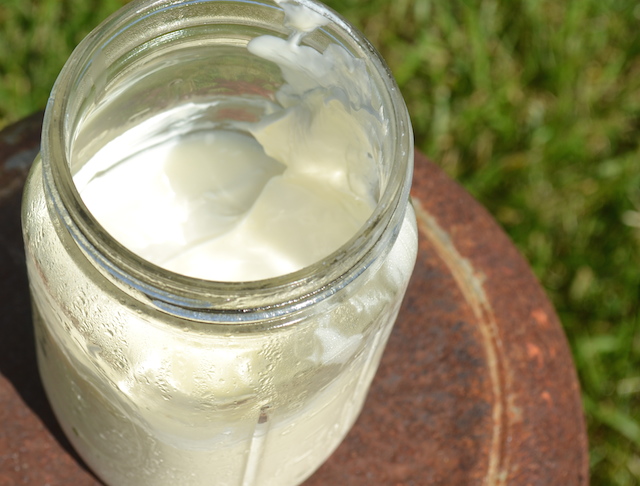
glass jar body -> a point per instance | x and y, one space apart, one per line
156 384
145 401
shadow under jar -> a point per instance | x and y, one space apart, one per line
218 240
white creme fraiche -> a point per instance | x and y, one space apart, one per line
260 201
240 202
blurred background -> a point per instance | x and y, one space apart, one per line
533 106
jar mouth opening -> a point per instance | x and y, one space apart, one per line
188 296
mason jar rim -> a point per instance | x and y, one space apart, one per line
208 300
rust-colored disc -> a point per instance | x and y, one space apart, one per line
476 387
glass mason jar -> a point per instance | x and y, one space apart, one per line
161 378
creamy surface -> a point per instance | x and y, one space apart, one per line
258 200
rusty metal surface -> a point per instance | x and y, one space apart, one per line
476 387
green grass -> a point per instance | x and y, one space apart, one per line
534 106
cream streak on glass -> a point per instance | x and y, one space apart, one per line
148 403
